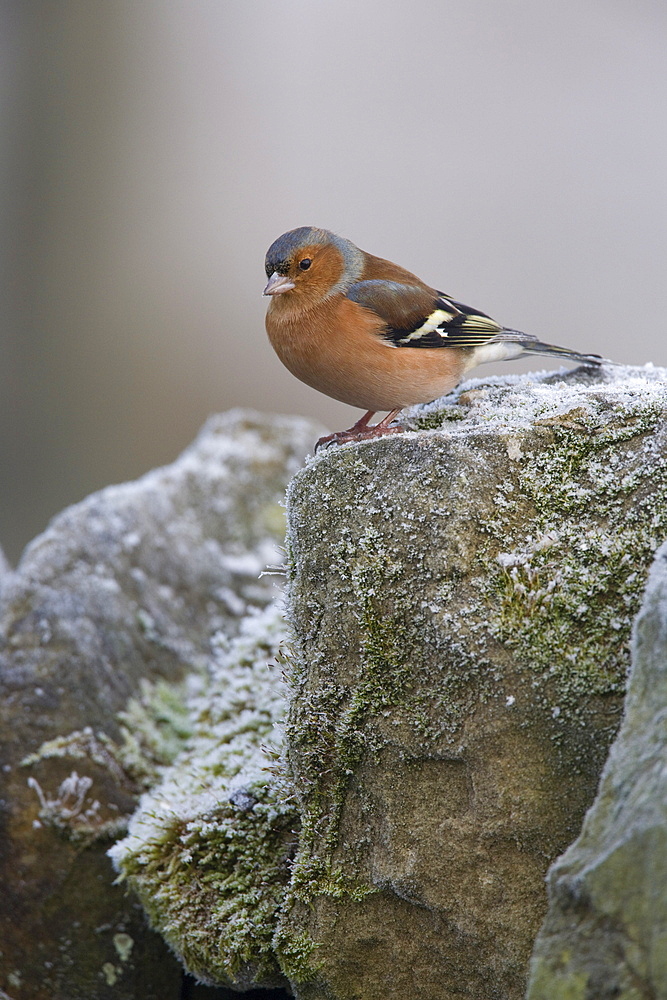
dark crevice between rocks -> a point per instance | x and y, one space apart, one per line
192 990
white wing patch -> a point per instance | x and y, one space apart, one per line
432 324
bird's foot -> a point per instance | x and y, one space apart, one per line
362 432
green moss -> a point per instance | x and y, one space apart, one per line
567 595
318 876
328 725
214 885
447 413
563 984
209 850
81 744
556 579
297 956
155 727
386 648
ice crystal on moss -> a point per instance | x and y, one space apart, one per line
208 849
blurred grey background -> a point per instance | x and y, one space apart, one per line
512 153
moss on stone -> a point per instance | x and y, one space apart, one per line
209 849
297 955
427 572
436 580
565 984
155 727
569 593
226 875
328 726
435 420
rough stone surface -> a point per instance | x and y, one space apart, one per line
110 609
605 934
462 600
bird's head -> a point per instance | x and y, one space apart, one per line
310 264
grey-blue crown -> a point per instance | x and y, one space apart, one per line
283 250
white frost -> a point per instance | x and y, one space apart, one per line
237 719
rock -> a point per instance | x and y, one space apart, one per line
209 849
461 600
109 611
605 931
460 605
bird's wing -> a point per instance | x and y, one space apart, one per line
420 317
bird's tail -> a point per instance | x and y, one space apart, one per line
531 345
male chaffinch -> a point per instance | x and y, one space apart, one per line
368 332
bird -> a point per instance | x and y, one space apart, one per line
369 333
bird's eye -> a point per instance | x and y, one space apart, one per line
305 263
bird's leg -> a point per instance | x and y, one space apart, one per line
383 426
361 431
361 424
337 438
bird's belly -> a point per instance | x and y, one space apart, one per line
377 377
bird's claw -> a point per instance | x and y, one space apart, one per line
364 434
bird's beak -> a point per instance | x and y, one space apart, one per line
277 284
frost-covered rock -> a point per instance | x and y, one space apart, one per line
605 932
462 600
208 850
122 599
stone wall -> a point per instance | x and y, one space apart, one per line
357 791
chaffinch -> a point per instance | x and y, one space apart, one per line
371 334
